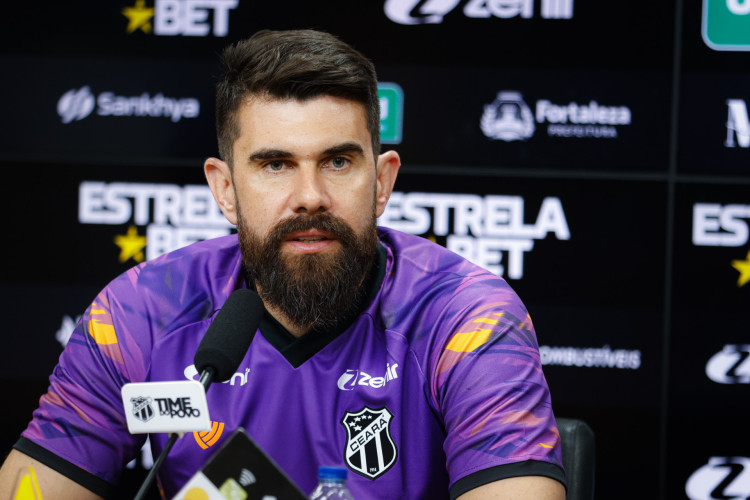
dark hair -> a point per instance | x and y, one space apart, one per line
300 64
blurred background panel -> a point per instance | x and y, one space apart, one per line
594 154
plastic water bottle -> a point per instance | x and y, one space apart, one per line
331 484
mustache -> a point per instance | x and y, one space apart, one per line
323 222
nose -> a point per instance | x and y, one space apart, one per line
309 192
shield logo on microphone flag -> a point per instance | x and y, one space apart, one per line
370 450
142 408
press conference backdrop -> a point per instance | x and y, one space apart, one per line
595 154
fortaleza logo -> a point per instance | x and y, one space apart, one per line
77 104
720 478
591 357
180 17
738 123
433 11
508 118
173 216
716 225
483 230
731 365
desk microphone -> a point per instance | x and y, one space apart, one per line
219 354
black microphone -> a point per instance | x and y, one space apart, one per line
220 353
228 337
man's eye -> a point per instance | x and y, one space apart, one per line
275 165
339 162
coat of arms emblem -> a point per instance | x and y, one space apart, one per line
370 450
142 408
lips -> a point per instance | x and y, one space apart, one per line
310 236
310 241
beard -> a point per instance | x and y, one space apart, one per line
313 291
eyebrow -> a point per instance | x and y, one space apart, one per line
275 154
269 154
347 147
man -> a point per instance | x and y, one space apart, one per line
379 351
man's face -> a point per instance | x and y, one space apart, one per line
306 192
302 158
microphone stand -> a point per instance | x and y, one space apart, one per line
205 379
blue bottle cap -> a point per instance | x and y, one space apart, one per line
331 472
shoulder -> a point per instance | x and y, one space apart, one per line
179 287
428 286
416 266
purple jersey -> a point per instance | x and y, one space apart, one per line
437 379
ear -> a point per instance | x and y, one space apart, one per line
219 178
387 168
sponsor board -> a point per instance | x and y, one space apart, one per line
173 216
591 357
726 24
195 18
731 365
721 477
77 104
410 12
391 98
717 225
510 118
738 123
489 231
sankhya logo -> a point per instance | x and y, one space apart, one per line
433 11
77 104
721 478
731 365
508 118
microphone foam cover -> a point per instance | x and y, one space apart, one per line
228 337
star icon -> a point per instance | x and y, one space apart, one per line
743 266
139 17
131 245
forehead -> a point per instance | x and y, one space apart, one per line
305 125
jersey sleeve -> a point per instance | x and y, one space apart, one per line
488 385
80 421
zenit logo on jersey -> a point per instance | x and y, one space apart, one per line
370 450
350 379
180 17
722 477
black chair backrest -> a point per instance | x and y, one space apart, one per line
578 457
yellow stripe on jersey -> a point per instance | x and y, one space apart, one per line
468 341
102 333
